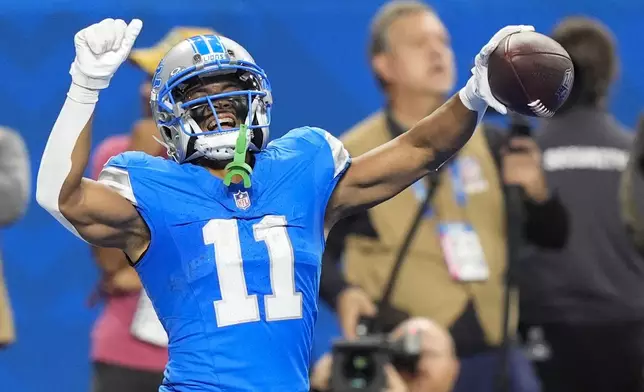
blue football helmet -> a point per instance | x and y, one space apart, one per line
208 57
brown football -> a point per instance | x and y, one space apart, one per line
530 74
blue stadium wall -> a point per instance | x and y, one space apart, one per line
313 51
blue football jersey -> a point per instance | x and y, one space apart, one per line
233 274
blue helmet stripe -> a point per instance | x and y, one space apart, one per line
200 45
207 41
215 44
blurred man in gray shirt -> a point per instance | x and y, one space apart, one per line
586 302
15 185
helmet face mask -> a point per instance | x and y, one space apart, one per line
202 107
200 100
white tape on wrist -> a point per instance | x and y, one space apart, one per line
56 162
85 81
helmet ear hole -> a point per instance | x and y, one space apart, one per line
166 132
258 138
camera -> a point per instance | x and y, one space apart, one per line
359 365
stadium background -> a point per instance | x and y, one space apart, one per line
314 52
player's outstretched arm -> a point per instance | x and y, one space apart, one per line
385 171
88 209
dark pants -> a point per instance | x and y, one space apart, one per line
606 358
113 378
479 372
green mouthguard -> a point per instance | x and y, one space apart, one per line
239 167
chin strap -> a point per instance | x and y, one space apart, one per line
239 167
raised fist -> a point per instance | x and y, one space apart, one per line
100 49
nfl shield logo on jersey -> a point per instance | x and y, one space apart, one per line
242 200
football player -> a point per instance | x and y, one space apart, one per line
227 236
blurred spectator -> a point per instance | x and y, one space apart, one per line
583 306
632 191
129 345
461 287
437 366
15 177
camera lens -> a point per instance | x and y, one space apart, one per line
359 370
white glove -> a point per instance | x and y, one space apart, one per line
476 95
100 49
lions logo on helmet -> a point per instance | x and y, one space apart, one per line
189 62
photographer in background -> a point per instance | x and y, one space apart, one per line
632 190
463 290
436 369
585 303
15 186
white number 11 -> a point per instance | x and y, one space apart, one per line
235 305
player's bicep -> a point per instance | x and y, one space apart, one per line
378 175
103 216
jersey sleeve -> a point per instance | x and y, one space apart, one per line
330 159
116 176
129 175
329 156
136 177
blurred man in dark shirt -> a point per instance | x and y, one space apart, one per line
587 301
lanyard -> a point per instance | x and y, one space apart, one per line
420 187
